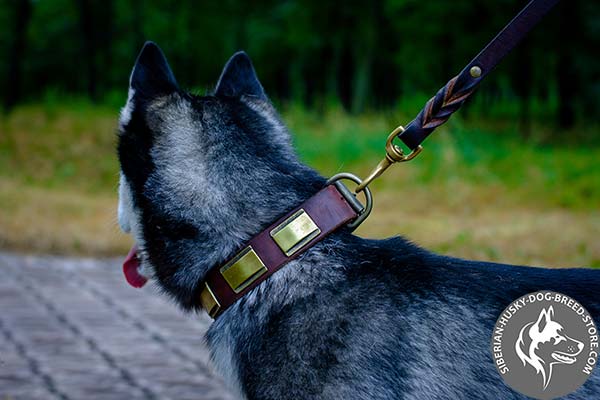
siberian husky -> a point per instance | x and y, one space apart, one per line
351 318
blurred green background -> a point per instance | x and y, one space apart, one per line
513 177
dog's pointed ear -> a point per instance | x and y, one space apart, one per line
239 78
151 75
543 319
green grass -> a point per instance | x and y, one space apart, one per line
478 190
72 146
535 170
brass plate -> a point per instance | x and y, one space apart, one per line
243 269
209 301
295 232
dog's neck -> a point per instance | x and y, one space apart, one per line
225 230
324 213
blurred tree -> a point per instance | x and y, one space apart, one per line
89 45
522 82
22 16
365 31
567 47
360 54
96 26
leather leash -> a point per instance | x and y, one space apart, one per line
335 206
458 89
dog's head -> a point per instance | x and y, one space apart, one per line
200 175
544 343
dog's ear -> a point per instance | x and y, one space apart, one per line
239 78
544 318
151 75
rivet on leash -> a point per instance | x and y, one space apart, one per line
475 71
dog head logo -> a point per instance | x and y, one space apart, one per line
544 343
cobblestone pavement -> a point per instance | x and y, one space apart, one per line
74 329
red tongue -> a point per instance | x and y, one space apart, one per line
130 269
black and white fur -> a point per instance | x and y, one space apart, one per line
352 318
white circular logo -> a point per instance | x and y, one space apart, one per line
545 345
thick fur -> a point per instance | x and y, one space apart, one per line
351 318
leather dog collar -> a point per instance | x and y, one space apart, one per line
277 245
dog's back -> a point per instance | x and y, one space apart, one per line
385 320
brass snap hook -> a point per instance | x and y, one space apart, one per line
393 155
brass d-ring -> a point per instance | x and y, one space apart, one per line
366 209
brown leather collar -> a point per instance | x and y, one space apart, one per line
277 245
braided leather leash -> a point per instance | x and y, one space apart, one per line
452 96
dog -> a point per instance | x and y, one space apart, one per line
351 318
542 344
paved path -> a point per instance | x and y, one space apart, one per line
74 329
